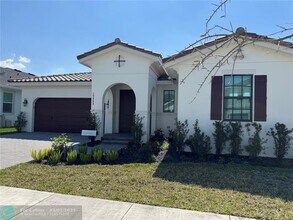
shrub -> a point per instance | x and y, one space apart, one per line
20 122
199 143
131 149
129 153
281 135
220 136
111 156
137 130
97 154
82 149
94 123
255 142
55 157
170 136
157 140
145 153
38 156
85 158
165 145
71 156
158 136
47 152
178 137
61 144
235 133
221 160
132 153
155 147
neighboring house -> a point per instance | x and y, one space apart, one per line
10 97
126 79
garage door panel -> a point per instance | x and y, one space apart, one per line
62 114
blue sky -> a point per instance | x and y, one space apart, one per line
44 37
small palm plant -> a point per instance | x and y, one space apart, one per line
97 154
111 156
71 157
55 157
38 156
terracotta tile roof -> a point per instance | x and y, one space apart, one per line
70 77
118 42
220 40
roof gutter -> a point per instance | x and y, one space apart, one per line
38 84
9 87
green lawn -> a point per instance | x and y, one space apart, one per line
236 189
7 130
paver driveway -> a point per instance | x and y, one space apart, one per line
16 148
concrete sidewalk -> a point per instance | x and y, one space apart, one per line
25 201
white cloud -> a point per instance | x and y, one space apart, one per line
9 63
20 64
24 59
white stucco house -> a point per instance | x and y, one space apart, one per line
10 96
126 79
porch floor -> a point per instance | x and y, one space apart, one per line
116 141
118 136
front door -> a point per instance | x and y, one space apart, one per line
127 110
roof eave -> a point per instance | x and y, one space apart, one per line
8 86
85 59
57 83
169 61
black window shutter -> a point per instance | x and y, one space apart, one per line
260 98
216 98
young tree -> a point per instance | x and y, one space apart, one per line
226 37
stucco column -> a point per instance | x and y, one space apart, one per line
100 114
145 128
142 108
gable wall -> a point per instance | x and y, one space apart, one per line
277 66
135 73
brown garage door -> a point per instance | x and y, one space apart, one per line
61 114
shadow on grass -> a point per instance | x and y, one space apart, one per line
264 181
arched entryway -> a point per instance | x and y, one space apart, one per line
119 108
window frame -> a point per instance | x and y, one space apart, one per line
164 100
250 98
3 102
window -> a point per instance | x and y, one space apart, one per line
168 100
7 102
237 97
